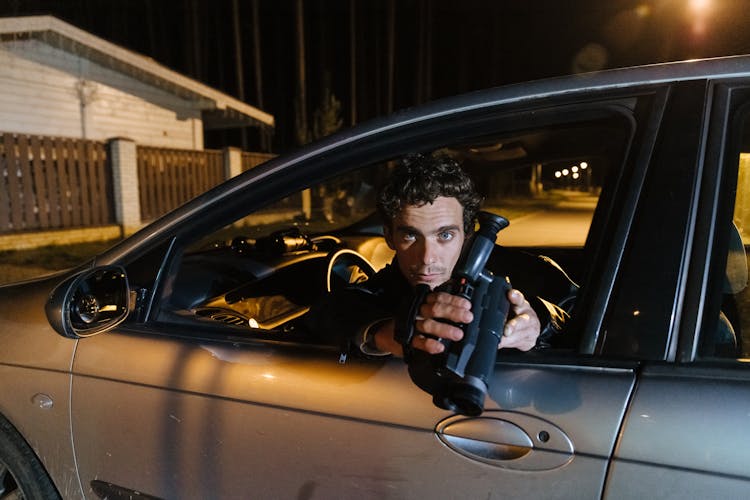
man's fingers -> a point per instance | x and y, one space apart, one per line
446 306
427 344
518 301
448 298
441 311
439 329
520 332
519 322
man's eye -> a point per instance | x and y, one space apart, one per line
445 236
410 236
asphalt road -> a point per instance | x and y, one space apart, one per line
563 225
566 224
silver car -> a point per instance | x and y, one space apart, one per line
180 363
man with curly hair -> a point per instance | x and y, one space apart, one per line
428 207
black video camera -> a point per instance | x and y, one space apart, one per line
459 377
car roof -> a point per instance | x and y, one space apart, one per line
723 67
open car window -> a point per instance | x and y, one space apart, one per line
268 268
258 276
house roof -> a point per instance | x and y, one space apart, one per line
219 109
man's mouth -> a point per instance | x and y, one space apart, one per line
430 278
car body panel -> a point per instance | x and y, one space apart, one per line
41 347
35 364
249 411
37 402
684 434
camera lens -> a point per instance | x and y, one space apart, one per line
465 398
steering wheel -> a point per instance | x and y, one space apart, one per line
347 267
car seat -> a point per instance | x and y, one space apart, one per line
727 341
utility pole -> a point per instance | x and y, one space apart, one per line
238 63
390 54
353 62
264 138
301 126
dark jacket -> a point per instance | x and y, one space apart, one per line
345 314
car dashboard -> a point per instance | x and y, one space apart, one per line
268 284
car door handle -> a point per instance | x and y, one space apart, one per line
507 439
489 438
488 450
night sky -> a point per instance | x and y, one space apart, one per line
440 47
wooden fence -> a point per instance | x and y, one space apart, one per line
170 177
252 160
53 183
49 183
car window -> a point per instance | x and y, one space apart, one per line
259 276
726 333
266 269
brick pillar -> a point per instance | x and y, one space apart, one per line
124 163
232 162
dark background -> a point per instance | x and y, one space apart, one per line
435 48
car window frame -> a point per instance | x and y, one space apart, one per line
650 332
730 105
431 134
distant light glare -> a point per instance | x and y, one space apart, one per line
700 10
574 169
584 165
699 6
643 10
699 28
576 175
565 171
558 174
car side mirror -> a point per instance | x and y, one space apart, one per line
90 302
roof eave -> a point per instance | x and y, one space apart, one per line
67 37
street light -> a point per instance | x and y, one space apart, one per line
587 171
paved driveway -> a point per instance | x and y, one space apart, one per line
565 224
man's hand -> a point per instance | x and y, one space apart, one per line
437 308
437 305
522 331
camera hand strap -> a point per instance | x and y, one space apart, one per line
407 315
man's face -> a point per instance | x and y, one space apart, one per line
428 240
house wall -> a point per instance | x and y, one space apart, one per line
48 91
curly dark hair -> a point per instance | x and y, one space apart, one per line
420 179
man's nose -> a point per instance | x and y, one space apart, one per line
429 252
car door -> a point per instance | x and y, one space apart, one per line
203 421
687 429
176 408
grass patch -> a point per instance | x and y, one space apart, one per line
54 257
